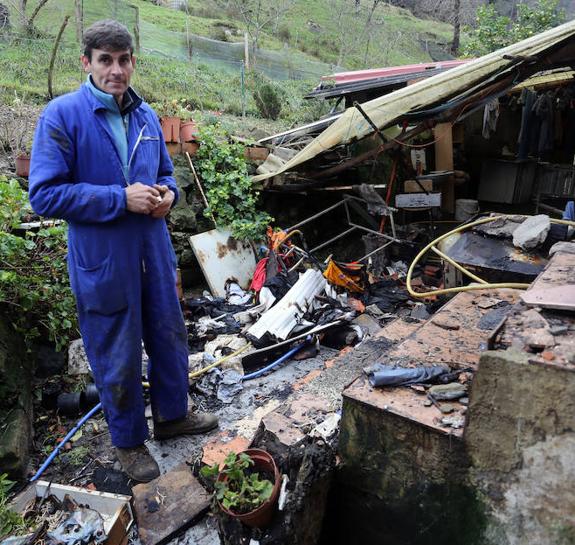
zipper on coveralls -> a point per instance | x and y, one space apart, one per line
138 141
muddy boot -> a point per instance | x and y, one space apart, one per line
195 422
138 463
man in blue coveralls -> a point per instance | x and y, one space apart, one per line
99 162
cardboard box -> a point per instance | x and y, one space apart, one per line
114 508
417 200
411 186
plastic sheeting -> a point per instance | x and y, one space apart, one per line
388 109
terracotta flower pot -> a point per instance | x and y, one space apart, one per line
188 131
261 516
256 153
171 128
23 165
190 147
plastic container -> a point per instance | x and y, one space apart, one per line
466 209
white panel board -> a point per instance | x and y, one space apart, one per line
417 200
222 258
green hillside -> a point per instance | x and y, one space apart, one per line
307 41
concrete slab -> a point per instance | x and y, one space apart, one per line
402 401
434 344
555 287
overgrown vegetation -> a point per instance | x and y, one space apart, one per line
35 293
268 100
494 31
10 522
229 189
241 490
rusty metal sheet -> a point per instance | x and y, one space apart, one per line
222 258
437 342
555 286
168 505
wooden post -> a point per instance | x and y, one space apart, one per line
79 20
137 29
246 51
444 161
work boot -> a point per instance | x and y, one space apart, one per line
138 464
193 423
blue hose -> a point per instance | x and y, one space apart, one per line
69 436
280 360
95 409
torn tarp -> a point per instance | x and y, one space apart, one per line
393 375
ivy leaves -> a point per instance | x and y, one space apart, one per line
34 290
229 189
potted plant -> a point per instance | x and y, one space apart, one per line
22 159
169 112
188 128
246 487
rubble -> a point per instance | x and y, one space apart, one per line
532 232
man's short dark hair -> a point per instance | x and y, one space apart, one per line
108 35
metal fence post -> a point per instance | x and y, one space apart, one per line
243 72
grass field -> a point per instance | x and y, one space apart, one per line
309 35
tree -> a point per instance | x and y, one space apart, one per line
258 15
494 31
454 12
27 20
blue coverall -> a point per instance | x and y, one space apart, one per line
121 264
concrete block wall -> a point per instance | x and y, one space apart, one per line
401 482
520 438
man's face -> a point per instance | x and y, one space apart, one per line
111 70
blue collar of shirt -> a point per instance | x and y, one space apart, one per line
106 99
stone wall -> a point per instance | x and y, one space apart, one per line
401 482
15 403
520 437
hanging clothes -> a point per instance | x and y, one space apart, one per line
490 117
528 121
543 110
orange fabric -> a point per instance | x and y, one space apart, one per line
351 278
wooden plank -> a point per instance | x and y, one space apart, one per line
168 505
555 286
444 161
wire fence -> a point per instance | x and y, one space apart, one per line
153 39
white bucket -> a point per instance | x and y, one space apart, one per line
465 209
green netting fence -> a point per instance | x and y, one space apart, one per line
153 39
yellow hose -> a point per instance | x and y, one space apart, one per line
200 372
482 285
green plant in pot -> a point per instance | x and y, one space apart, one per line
246 487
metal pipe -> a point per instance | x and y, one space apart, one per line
341 235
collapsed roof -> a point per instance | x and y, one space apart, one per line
448 95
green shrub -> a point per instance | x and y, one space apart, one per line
10 522
35 293
268 100
232 198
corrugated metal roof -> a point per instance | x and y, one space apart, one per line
469 78
280 320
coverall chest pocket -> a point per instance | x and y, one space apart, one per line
100 290
146 160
